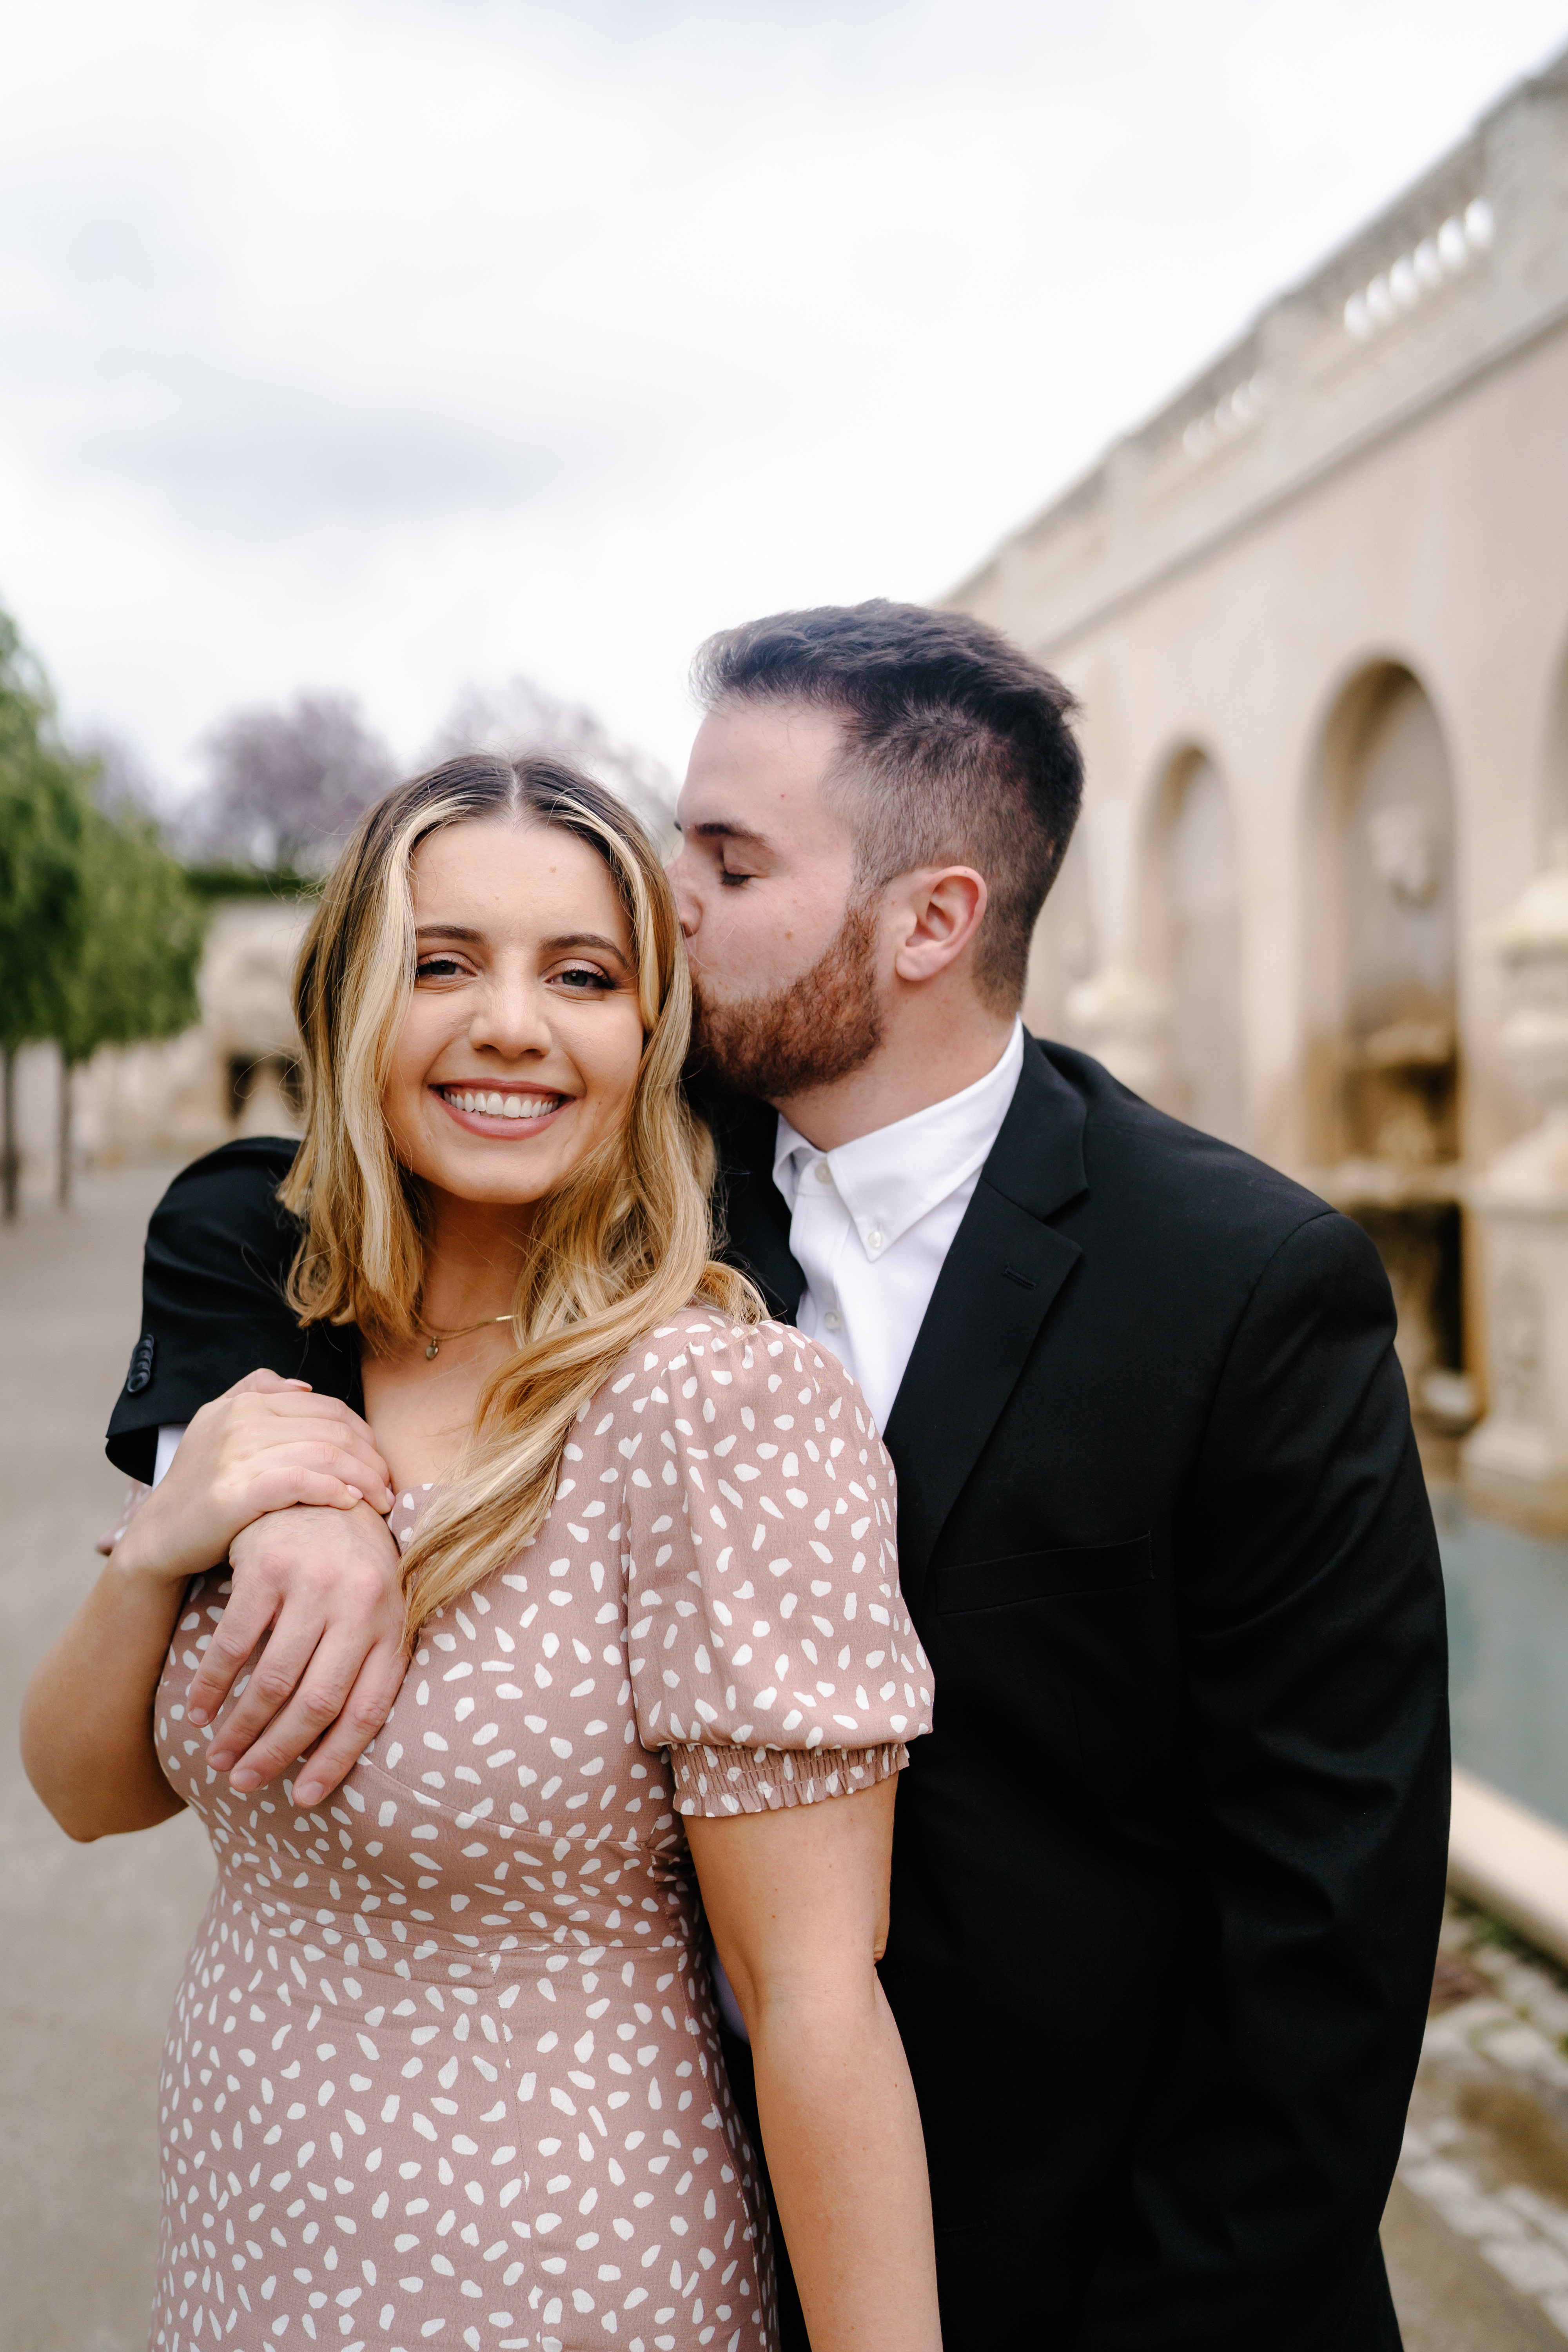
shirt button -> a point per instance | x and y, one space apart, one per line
875 1237
833 1320
824 1173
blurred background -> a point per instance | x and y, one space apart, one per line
380 380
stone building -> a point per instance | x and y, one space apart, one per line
237 1072
1317 613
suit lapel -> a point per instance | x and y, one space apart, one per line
755 1219
1000 1280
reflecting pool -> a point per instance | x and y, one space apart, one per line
1507 1633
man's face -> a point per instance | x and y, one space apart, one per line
783 947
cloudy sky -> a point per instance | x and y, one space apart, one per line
397 345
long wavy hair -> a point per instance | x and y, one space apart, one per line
626 1240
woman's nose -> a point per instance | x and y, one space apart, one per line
512 1018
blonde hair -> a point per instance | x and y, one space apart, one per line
625 1243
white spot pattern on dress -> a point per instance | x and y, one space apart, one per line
444 2067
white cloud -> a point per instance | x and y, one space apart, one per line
384 346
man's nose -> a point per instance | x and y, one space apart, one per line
686 903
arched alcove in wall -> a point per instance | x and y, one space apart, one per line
1379 930
1191 943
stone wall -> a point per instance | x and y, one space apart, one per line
1317 614
235 1073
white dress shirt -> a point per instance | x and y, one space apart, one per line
169 1435
872 1221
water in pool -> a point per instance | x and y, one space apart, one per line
1508 1636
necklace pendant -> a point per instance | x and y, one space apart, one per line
433 1350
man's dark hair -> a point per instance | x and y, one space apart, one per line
958 750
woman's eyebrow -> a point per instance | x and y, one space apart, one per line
556 946
583 940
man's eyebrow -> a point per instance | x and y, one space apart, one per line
726 829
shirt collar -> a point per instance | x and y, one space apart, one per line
891 1178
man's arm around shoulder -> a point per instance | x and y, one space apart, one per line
213 1303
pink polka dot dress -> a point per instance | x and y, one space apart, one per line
444 2067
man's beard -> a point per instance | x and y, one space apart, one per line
806 1033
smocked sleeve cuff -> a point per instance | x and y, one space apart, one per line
713 1781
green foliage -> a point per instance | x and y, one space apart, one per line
101 933
43 811
215 882
134 974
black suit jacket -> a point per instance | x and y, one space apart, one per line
1169 1870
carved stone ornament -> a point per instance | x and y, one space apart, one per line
1405 856
1124 1020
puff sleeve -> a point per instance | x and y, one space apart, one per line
771 1655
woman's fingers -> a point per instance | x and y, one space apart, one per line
276 1476
250 1413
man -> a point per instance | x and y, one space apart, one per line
1168 1873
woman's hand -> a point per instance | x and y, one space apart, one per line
797 1901
265 1444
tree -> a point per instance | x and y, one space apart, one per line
42 898
134 975
285 785
521 717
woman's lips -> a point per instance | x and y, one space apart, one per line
501 1111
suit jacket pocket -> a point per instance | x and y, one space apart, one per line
1042 1576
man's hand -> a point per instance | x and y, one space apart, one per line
322 1589
265 1442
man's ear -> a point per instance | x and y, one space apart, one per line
936 913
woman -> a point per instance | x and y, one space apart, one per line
444 2066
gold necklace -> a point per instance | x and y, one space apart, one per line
467 1330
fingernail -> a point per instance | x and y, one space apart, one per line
220 1759
198 1715
358 1493
245 1780
305 1792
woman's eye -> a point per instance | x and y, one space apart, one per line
437 967
583 978
733 881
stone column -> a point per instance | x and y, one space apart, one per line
1124 1020
1515 1465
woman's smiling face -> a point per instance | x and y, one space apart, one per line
520 1048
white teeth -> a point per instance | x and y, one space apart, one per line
499 1105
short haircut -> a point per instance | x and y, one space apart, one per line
959 751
